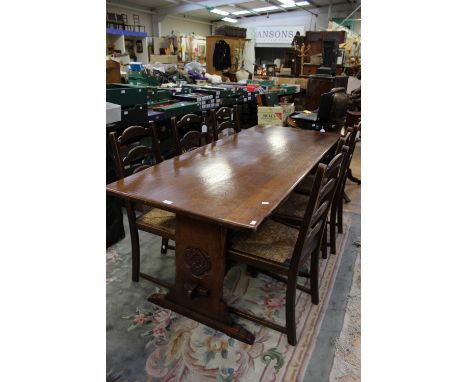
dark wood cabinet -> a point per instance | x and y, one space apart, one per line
317 85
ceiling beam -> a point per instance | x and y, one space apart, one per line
200 5
131 8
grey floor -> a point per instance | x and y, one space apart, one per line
321 361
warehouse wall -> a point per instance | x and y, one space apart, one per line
145 18
183 26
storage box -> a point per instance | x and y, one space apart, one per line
288 109
125 95
284 81
134 115
302 82
112 113
140 78
174 109
270 115
163 59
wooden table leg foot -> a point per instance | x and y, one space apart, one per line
232 330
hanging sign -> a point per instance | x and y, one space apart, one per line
277 35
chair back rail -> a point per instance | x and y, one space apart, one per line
350 142
149 154
321 196
225 118
191 139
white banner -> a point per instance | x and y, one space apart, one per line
277 35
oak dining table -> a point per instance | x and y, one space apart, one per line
234 183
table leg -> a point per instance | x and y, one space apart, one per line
200 268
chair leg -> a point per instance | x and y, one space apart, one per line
135 239
324 242
164 245
353 178
314 276
291 309
333 234
346 198
340 215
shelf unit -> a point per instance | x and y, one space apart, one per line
121 38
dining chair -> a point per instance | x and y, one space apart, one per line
191 139
305 185
281 249
224 119
296 203
352 145
132 155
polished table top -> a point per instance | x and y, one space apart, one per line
237 181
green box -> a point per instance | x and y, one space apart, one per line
125 95
174 109
139 78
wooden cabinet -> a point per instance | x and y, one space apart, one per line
309 69
237 46
317 85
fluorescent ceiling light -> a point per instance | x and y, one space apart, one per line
219 12
288 5
302 3
228 19
244 12
263 9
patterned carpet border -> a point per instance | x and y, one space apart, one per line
154 344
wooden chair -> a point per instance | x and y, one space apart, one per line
280 248
295 205
154 220
223 119
352 145
192 139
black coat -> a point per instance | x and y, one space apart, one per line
222 55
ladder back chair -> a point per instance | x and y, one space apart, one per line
281 249
223 119
192 139
295 205
154 220
352 136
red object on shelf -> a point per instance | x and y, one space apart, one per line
252 87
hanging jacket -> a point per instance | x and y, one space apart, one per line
222 55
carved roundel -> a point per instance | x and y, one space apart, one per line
197 261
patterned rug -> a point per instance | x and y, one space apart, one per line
151 344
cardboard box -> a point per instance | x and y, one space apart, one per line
268 115
288 109
302 82
163 59
285 80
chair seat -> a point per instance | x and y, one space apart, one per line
161 219
306 184
295 205
272 241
